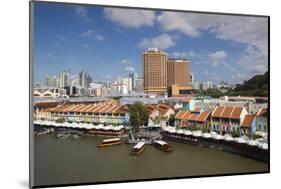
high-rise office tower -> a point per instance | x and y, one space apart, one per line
154 66
64 79
85 79
178 72
133 76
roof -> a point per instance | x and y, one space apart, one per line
189 116
161 142
139 145
162 108
91 108
111 140
248 120
227 112
47 104
262 112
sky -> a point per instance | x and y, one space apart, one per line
108 42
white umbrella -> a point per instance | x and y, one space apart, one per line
227 137
197 133
240 140
253 143
206 135
187 132
180 131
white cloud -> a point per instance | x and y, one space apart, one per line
248 30
93 35
218 55
130 18
253 60
186 54
126 61
130 69
162 41
187 23
82 12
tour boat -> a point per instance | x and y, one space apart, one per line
110 142
138 149
162 145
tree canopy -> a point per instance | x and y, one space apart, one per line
138 115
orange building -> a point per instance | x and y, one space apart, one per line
154 69
178 72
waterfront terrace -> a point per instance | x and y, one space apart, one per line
107 113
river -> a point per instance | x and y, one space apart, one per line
70 161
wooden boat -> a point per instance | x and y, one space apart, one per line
110 142
138 149
162 145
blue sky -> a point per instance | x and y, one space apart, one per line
108 42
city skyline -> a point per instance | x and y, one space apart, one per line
85 38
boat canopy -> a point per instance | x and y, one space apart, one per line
111 140
139 145
161 142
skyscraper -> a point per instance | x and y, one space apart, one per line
133 76
178 72
64 80
154 71
85 79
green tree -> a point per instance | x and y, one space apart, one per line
172 120
138 115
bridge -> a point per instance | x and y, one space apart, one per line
46 92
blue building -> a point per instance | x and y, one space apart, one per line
248 125
262 120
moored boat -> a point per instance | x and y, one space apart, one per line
162 145
110 142
138 149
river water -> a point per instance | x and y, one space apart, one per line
69 161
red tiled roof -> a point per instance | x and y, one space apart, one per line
262 112
180 114
248 120
203 116
217 112
236 113
93 108
186 115
227 112
189 116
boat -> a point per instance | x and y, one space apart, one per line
162 145
138 149
180 136
110 142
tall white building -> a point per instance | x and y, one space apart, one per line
64 80
84 79
133 77
207 85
